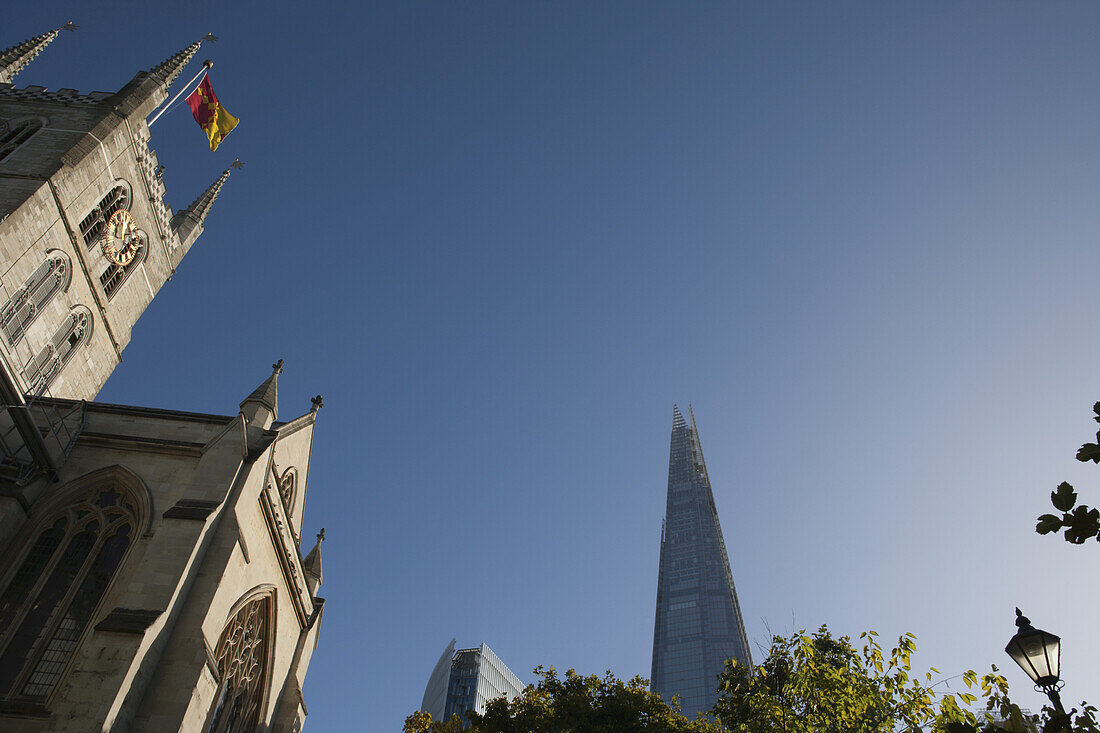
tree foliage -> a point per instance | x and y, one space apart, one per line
821 684
421 722
1080 522
807 684
574 704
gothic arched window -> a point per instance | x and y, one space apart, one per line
56 587
94 224
242 662
73 333
115 275
49 279
18 134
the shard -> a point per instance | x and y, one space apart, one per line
698 624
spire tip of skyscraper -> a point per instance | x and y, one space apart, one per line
677 418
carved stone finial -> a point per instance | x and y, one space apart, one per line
209 38
278 367
318 403
321 536
236 164
70 26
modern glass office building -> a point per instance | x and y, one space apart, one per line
698 624
467 680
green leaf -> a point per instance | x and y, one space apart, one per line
1082 524
1089 452
1064 497
1048 523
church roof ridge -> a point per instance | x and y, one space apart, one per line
290 427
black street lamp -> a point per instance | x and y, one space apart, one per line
1039 654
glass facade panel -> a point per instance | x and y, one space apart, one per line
471 678
698 623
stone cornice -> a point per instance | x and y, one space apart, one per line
140 442
111 408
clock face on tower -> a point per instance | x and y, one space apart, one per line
122 241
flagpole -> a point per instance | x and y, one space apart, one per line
205 69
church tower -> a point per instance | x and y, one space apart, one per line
86 238
698 624
152 575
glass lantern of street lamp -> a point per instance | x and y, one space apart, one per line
1037 652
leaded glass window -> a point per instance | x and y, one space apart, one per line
242 664
17 135
93 226
30 571
48 279
51 597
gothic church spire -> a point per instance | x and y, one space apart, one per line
149 88
200 207
188 224
167 71
14 59
261 408
312 565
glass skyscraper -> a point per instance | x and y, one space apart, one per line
467 680
698 624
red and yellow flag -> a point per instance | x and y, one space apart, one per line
212 117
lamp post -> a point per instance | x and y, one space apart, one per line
1039 654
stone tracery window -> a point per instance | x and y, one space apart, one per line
94 225
242 663
56 588
16 135
49 279
287 487
73 333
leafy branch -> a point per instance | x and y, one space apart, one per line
1080 522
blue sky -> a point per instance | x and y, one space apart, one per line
502 239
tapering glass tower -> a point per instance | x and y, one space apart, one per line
698 624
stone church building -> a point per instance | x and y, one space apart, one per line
151 570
